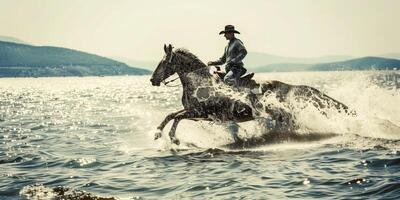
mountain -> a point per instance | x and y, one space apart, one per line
365 63
11 39
256 60
18 60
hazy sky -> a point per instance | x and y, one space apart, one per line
137 29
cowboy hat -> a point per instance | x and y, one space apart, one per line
229 29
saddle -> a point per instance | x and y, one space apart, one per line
244 81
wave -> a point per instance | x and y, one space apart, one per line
374 101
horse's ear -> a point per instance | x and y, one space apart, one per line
165 48
170 48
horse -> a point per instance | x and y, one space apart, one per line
202 100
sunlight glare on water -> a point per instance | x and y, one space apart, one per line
97 134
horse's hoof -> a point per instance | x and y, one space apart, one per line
175 140
158 134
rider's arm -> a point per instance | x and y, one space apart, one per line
242 52
220 61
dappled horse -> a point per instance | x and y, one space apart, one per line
203 101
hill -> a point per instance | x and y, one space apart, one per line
365 63
255 60
20 60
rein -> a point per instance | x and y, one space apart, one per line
170 81
167 82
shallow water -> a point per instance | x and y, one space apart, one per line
96 134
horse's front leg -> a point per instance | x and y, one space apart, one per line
173 131
169 117
178 118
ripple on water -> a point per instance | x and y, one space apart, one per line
82 163
11 160
66 131
385 191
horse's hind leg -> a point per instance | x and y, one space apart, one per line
169 117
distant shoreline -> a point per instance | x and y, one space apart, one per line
383 70
4 77
142 75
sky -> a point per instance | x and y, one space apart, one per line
138 29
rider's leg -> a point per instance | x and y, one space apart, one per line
232 77
240 72
229 78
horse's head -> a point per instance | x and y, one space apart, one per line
165 68
180 61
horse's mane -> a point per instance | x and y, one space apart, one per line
190 55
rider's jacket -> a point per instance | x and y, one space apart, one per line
233 55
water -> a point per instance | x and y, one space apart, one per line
96 134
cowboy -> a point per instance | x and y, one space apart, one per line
232 57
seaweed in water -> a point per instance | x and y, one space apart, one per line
59 192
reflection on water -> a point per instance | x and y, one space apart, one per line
94 134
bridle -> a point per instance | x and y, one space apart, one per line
173 65
167 82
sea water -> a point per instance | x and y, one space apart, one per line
95 134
